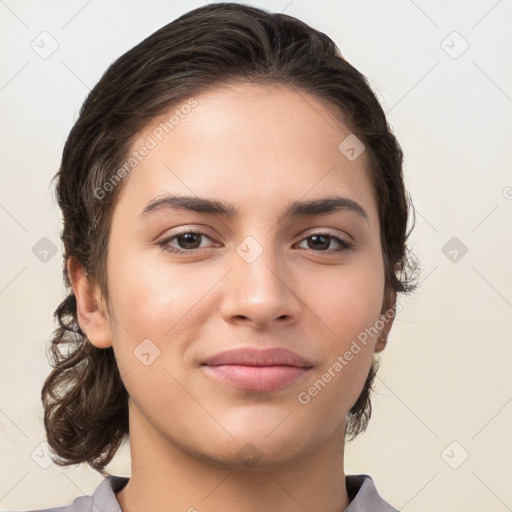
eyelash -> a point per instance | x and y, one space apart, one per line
164 243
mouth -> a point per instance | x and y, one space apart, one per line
257 370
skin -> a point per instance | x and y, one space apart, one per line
259 148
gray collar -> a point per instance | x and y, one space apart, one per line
361 491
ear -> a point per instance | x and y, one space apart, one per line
387 316
92 313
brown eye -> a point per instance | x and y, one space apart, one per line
322 242
185 243
189 240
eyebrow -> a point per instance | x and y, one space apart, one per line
196 204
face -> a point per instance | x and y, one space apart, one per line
198 298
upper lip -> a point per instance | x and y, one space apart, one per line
258 357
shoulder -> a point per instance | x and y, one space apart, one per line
102 499
363 495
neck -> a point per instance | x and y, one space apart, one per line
168 478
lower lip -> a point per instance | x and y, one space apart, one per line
256 378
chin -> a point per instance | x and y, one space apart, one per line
247 456
257 450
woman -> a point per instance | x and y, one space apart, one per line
235 227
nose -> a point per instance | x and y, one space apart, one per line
260 292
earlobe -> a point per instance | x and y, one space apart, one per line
387 316
92 314
381 342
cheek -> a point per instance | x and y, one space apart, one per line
152 298
349 306
157 302
150 307
348 301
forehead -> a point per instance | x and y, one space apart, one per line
246 142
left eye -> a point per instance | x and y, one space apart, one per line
189 241
322 241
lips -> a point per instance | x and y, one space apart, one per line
255 357
257 370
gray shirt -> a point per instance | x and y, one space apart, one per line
362 494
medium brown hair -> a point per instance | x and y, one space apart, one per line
85 401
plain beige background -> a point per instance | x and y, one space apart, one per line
440 436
